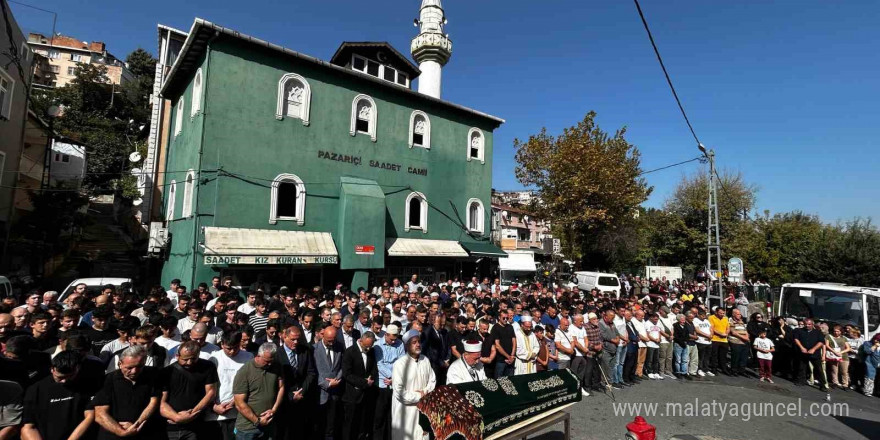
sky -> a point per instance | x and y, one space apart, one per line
785 92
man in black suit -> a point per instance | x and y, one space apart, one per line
328 361
348 335
435 347
360 372
297 362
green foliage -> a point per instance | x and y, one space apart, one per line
111 121
589 185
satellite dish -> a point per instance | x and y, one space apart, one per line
137 202
134 157
381 57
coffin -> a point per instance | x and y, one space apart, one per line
477 410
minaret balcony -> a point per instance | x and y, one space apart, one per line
431 47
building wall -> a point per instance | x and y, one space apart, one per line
61 68
12 128
242 135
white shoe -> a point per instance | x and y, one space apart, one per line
652 376
710 374
671 376
659 376
585 393
700 373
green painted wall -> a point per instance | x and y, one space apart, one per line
238 133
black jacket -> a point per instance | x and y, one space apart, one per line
435 346
355 335
304 376
355 374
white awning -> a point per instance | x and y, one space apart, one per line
414 247
522 262
264 246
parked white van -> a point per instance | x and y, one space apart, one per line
93 285
605 282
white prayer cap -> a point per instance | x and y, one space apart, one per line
591 315
409 335
526 318
393 329
473 346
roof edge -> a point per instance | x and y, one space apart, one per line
200 22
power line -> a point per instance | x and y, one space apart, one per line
663 66
670 166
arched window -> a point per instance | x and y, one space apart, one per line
419 130
416 212
363 116
197 94
188 188
475 215
178 119
294 98
169 208
476 145
288 200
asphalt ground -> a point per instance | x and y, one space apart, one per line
779 411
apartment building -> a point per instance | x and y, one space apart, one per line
64 53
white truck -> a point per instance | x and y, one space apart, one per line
658 272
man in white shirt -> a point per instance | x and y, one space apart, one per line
562 338
172 292
190 320
620 326
578 335
198 334
666 354
703 328
414 283
228 361
248 307
638 323
467 368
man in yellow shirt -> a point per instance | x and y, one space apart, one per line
720 330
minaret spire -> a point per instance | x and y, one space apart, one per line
431 48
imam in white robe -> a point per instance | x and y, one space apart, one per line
409 376
526 353
459 372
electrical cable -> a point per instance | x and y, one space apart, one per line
663 66
670 166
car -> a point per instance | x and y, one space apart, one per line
92 285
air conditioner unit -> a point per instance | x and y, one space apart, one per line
158 237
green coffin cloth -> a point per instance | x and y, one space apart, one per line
483 249
473 410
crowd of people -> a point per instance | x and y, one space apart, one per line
266 363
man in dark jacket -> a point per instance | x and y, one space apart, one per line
435 347
360 373
328 362
297 361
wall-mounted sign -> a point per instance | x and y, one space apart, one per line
364 249
269 259
358 161
735 269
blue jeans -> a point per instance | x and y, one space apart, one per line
870 369
618 367
503 369
253 434
680 361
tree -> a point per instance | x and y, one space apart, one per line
588 181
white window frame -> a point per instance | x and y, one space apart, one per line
172 199
178 118
423 214
381 74
71 70
300 217
481 221
188 189
374 116
76 57
482 153
6 107
307 97
198 81
426 138
55 52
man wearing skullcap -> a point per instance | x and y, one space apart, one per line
527 347
411 378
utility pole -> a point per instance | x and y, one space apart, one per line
713 243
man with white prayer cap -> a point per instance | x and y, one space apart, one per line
411 378
526 347
468 367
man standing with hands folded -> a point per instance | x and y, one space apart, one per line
258 391
188 390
